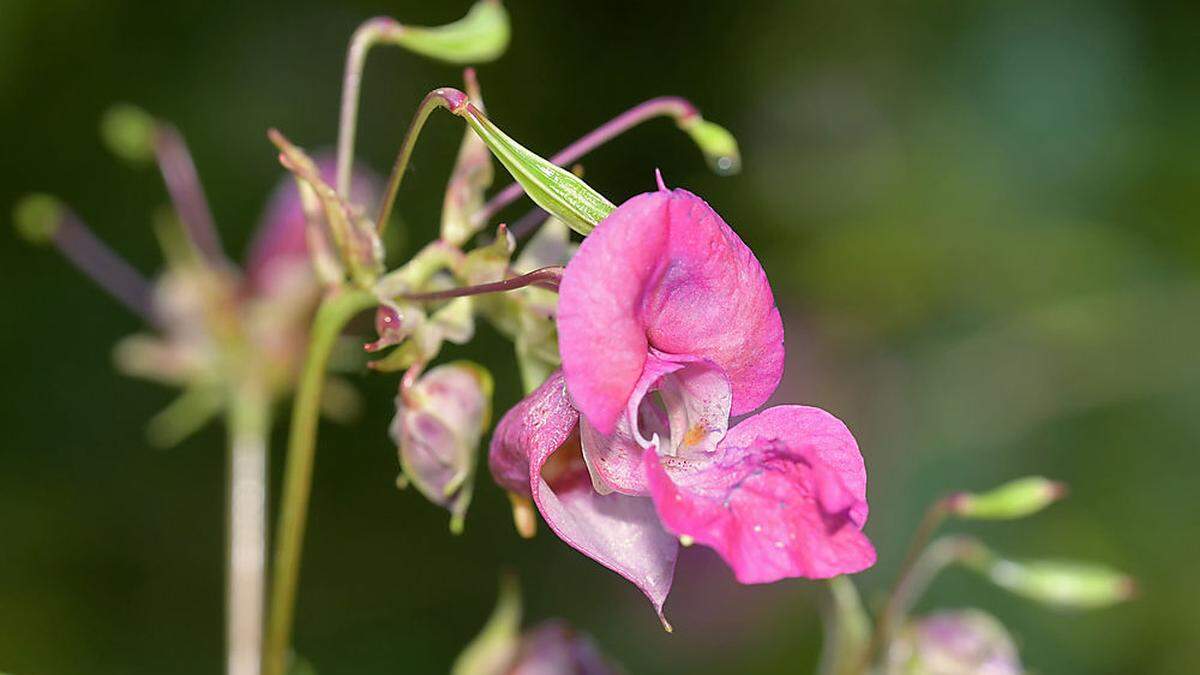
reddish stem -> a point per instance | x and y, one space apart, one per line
546 277
677 107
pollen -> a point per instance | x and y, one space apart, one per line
694 435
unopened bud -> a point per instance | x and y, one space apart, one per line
439 422
1068 585
1016 499
965 641
558 191
718 145
481 35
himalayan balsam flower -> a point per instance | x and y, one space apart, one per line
667 327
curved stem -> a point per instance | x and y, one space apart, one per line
365 37
548 277
673 106
451 99
249 427
332 315
900 598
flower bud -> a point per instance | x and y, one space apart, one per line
718 145
948 643
481 35
1063 584
439 422
129 133
558 191
1016 499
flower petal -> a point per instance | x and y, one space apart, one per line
664 271
620 532
696 395
785 496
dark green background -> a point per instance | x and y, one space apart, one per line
982 222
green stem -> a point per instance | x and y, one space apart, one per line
333 314
438 98
899 599
249 428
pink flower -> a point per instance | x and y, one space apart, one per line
663 298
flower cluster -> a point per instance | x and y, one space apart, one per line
646 351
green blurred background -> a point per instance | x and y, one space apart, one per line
981 220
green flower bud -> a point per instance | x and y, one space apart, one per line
1017 499
1063 584
718 145
481 35
558 191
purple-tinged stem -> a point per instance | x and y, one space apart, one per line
451 99
109 271
187 194
546 277
526 224
365 37
679 108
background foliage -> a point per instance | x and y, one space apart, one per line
981 220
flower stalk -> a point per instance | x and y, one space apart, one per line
248 428
334 312
481 35
723 156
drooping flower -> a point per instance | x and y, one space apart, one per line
667 327
440 419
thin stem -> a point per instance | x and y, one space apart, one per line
894 607
78 244
365 37
547 277
526 224
247 529
451 99
332 315
673 106
187 194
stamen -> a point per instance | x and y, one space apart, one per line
42 218
679 108
187 194
545 277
